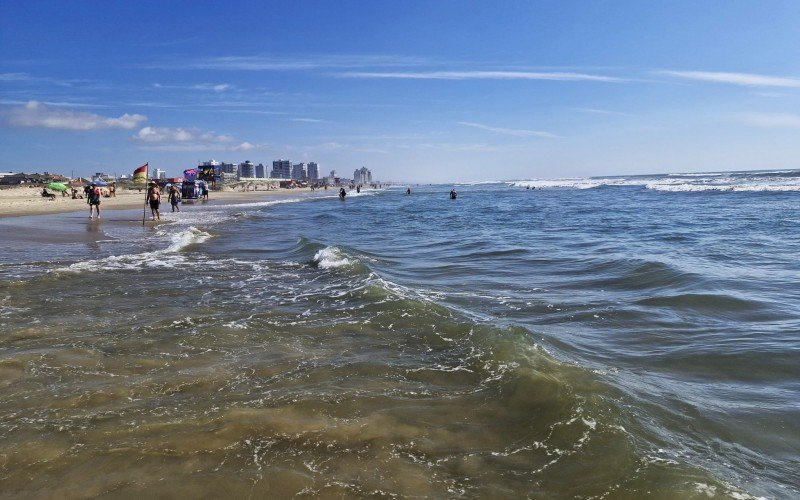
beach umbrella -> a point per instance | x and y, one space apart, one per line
57 186
100 182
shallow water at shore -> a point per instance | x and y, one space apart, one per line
613 342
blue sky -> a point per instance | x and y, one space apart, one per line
419 91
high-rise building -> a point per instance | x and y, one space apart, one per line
247 170
312 172
362 176
159 174
299 171
282 169
261 172
230 168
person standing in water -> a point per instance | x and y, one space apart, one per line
155 201
342 193
408 191
174 198
93 195
453 194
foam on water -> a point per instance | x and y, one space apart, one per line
399 348
331 257
164 258
785 181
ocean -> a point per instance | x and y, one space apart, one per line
621 337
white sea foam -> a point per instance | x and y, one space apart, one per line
331 257
168 257
724 182
182 239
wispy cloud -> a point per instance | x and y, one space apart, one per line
512 132
36 114
220 87
26 78
270 63
769 94
14 77
746 79
596 111
777 120
189 139
484 75
309 120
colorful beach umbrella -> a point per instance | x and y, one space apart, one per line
57 186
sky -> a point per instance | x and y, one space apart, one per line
428 91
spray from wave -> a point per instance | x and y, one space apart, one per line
330 258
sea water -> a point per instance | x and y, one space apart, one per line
627 337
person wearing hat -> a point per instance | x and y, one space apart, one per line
93 199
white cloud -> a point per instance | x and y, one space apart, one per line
245 146
773 120
267 63
509 131
596 111
37 114
484 75
190 139
220 87
747 79
14 77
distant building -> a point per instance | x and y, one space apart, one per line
299 172
157 174
312 172
362 176
229 168
247 170
12 178
261 171
281 169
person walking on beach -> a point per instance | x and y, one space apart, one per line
93 199
155 201
174 198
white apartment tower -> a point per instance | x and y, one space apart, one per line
362 176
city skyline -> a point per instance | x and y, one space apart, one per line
418 91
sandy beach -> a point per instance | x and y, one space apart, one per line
20 201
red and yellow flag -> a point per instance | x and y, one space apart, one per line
140 174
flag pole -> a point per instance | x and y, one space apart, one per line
146 193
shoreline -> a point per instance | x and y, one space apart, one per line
25 201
